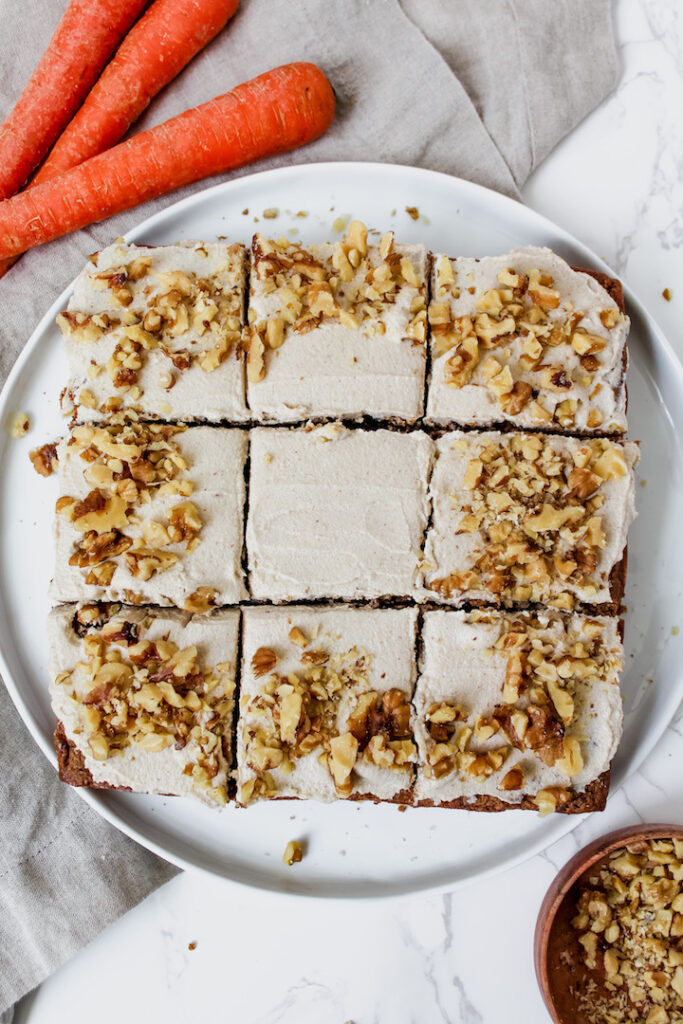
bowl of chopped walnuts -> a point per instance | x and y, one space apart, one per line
608 947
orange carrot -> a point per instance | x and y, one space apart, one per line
164 40
83 42
278 111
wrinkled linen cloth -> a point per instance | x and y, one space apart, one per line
478 90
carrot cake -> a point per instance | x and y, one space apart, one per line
144 698
518 709
338 329
336 513
151 513
325 703
526 339
158 330
529 517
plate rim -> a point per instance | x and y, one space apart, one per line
94 798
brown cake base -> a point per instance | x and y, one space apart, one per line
593 798
71 764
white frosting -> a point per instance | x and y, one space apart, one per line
336 512
337 371
196 394
215 458
475 404
386 635
447 551
142 771
456 668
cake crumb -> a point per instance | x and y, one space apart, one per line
666 294
340 224
675 630
20 425
245 211
413 212
302 213
268 457
192 946
293 853
271 213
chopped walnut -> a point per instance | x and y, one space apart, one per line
538 510
126 464
44 460
297 714
293 853
20 425
350 283
507 342
629 927
541 662
150 694
174 303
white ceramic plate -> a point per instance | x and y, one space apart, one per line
353 850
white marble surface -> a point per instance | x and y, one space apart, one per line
464 958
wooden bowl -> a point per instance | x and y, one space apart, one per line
561 976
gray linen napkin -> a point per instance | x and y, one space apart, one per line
479 90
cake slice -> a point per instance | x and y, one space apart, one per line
158 330
517 710
336 513
151 513
144 698
526 339
325 703
520 518
337 330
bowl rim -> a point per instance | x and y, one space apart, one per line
565 879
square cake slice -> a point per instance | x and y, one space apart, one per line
325 703
337 330
144 698
519 710
151 513
158 330
336 513
520 518
526 339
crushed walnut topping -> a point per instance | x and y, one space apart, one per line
535 713
299 713
350 283
190 319
539 512
149 693
127 464
629 924
515 343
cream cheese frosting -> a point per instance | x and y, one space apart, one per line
554 725
541 348
523 517
120 687
335 512
320 684
343 347
159 330
174 539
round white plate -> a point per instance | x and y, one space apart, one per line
353 850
